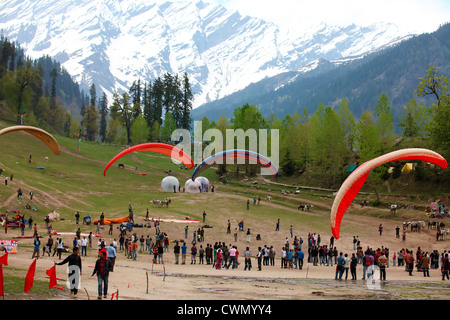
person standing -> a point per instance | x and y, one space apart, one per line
176 251
425 263
160 253
22 227
339 266
111 253
102 269
353 264
49 244
247 258
84 243
183 253
259 257
201 255
193 254
277 227
409 261
233 262
37 244
300 256
219 257
382 264
445 267
134 248
248 235
74 261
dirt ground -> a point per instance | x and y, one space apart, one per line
143 280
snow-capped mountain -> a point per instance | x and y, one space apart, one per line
111 43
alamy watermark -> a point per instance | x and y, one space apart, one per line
250 139
73 279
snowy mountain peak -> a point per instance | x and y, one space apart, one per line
111 43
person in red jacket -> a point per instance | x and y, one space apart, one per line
102 269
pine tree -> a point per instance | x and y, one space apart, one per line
93 93
188 98
90 123
103 114
157 103
147 102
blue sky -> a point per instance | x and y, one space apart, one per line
415 16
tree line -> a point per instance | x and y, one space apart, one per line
36 92
41 93
326 142
149 111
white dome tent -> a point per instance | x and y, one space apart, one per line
204 183
170 184
192 186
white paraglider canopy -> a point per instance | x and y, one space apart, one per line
192 186
170 184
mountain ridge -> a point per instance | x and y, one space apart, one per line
394 71
111 43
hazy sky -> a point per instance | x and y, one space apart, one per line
414 16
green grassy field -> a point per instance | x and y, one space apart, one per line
73 181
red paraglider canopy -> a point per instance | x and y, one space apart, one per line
356 179
162 148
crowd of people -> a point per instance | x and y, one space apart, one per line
294 254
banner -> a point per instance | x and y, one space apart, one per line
10 245
434 206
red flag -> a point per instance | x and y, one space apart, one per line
4 259
30 277
52 274
2 292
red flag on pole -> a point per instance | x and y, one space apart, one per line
4 259
30 277
52 274
2 291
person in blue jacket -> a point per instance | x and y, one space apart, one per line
300 256
183 253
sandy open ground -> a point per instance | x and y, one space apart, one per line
202 282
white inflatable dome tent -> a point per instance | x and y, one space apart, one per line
170 184
192 186
204 183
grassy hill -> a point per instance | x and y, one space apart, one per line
74 181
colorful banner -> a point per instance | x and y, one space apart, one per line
10 245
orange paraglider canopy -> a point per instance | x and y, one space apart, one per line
39 133
356 179
112 221
162 148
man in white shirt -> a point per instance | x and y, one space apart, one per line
84 243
